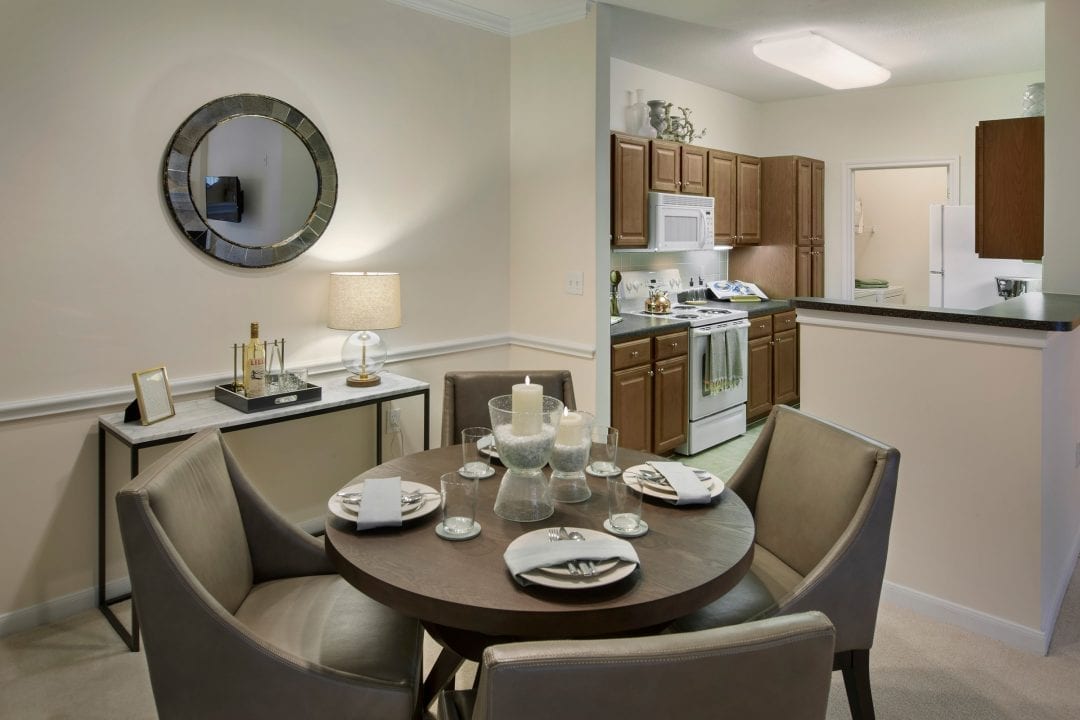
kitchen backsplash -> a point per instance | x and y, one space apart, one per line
708 264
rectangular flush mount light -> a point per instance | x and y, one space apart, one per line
821 60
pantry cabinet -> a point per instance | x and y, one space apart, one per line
1009 160
649 384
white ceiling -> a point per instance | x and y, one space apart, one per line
709 41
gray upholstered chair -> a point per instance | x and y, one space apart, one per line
775 669
822 498
466 395
242 613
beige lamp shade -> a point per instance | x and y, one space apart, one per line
364 301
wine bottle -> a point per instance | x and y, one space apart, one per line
254 365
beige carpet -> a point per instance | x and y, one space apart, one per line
919 669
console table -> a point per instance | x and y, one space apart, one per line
207 413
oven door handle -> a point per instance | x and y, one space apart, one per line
737 325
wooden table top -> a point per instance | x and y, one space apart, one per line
691 556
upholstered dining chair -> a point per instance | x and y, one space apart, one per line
243 615
822 499
775 669
466 395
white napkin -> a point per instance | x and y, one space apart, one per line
526 557
381 504
684 482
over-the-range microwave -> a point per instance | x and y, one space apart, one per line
680 222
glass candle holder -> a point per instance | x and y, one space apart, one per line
524 441
569 457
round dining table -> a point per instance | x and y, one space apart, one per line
467 599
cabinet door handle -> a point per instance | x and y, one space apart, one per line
651 373
661 371
633 353
675 345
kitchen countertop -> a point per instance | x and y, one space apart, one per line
765 307
639 326
1052 312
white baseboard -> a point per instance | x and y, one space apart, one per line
1013 634
1050 618
59 608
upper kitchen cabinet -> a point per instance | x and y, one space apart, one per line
735 185
1009 188
629 191
677 168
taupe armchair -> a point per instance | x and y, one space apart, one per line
242 613
822 498
466 395
775 669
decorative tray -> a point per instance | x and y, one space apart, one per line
227 394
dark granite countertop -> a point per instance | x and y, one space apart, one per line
639 326
1031 311
765 307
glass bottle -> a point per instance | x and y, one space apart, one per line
254 365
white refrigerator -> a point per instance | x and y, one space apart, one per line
959 278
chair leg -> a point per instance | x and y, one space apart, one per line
856 669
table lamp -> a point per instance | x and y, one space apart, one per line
364 301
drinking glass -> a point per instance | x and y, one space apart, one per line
624 507
474 463
458 504
602 452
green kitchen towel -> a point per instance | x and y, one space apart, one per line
871 283
723 362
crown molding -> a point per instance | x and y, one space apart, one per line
499 24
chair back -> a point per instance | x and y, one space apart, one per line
186 502
772 669
466 395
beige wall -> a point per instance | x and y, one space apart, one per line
417 112
887 124
1062 174
895 241
967 523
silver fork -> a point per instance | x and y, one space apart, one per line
585 567
555 536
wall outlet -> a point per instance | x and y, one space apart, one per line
575 283
393 420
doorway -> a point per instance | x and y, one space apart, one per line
886 231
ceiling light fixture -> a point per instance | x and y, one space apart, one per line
821 60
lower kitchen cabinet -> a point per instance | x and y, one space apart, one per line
649 384
772 372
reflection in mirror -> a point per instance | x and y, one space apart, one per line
260 180
250 180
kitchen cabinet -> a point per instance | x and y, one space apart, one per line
734 182
677 168
649 383
772 372
1009 160
629 191
789 258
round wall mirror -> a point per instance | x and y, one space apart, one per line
250 180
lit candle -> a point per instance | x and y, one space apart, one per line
571 429
527 403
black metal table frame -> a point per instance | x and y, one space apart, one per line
131 638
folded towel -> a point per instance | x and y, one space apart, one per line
871 283
684 482
381 504
723 362
526 557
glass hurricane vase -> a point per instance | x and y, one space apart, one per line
569 457
524 441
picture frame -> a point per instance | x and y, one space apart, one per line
153 395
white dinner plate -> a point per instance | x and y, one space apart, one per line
427 505
486 445
655 490
560 577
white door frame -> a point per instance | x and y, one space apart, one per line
847 225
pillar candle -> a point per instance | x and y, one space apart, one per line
527 402
571 429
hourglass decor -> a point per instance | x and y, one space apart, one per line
524 424
569 457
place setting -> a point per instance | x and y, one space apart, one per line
383 502
675 483
569 558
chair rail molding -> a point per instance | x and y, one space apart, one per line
103 398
